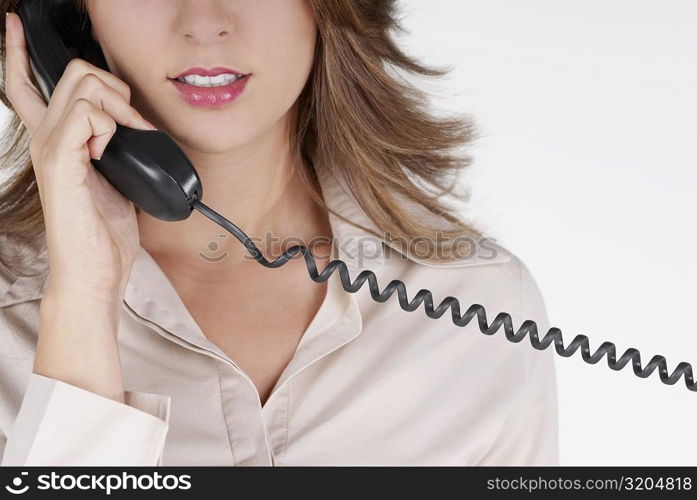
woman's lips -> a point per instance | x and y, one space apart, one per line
211 97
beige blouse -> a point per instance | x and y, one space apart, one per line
369 383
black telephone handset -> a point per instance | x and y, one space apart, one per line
145 166
148 168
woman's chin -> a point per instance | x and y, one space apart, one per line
205 141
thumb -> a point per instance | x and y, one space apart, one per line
26 99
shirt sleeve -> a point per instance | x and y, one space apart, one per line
530 433
62 424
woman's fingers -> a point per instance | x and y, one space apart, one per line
92 88
99 126
75 71
80 122
26 99
80 79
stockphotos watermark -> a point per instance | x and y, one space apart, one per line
99 482
364 248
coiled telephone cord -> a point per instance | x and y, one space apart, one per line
528 327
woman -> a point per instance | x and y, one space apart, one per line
164 343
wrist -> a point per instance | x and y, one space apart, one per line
81 293
64 304
91 286
78 343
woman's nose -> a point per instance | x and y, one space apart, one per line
207 37
204 21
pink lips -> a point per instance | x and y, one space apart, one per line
210 97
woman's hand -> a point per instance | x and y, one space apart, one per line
91 229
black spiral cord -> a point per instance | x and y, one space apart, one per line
425 296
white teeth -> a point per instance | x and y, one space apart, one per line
217 80
210 81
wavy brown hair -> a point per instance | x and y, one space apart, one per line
355 116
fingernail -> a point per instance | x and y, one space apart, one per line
153 127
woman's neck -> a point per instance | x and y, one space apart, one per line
258 190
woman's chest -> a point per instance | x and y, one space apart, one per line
259 326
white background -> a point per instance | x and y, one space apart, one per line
588 172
